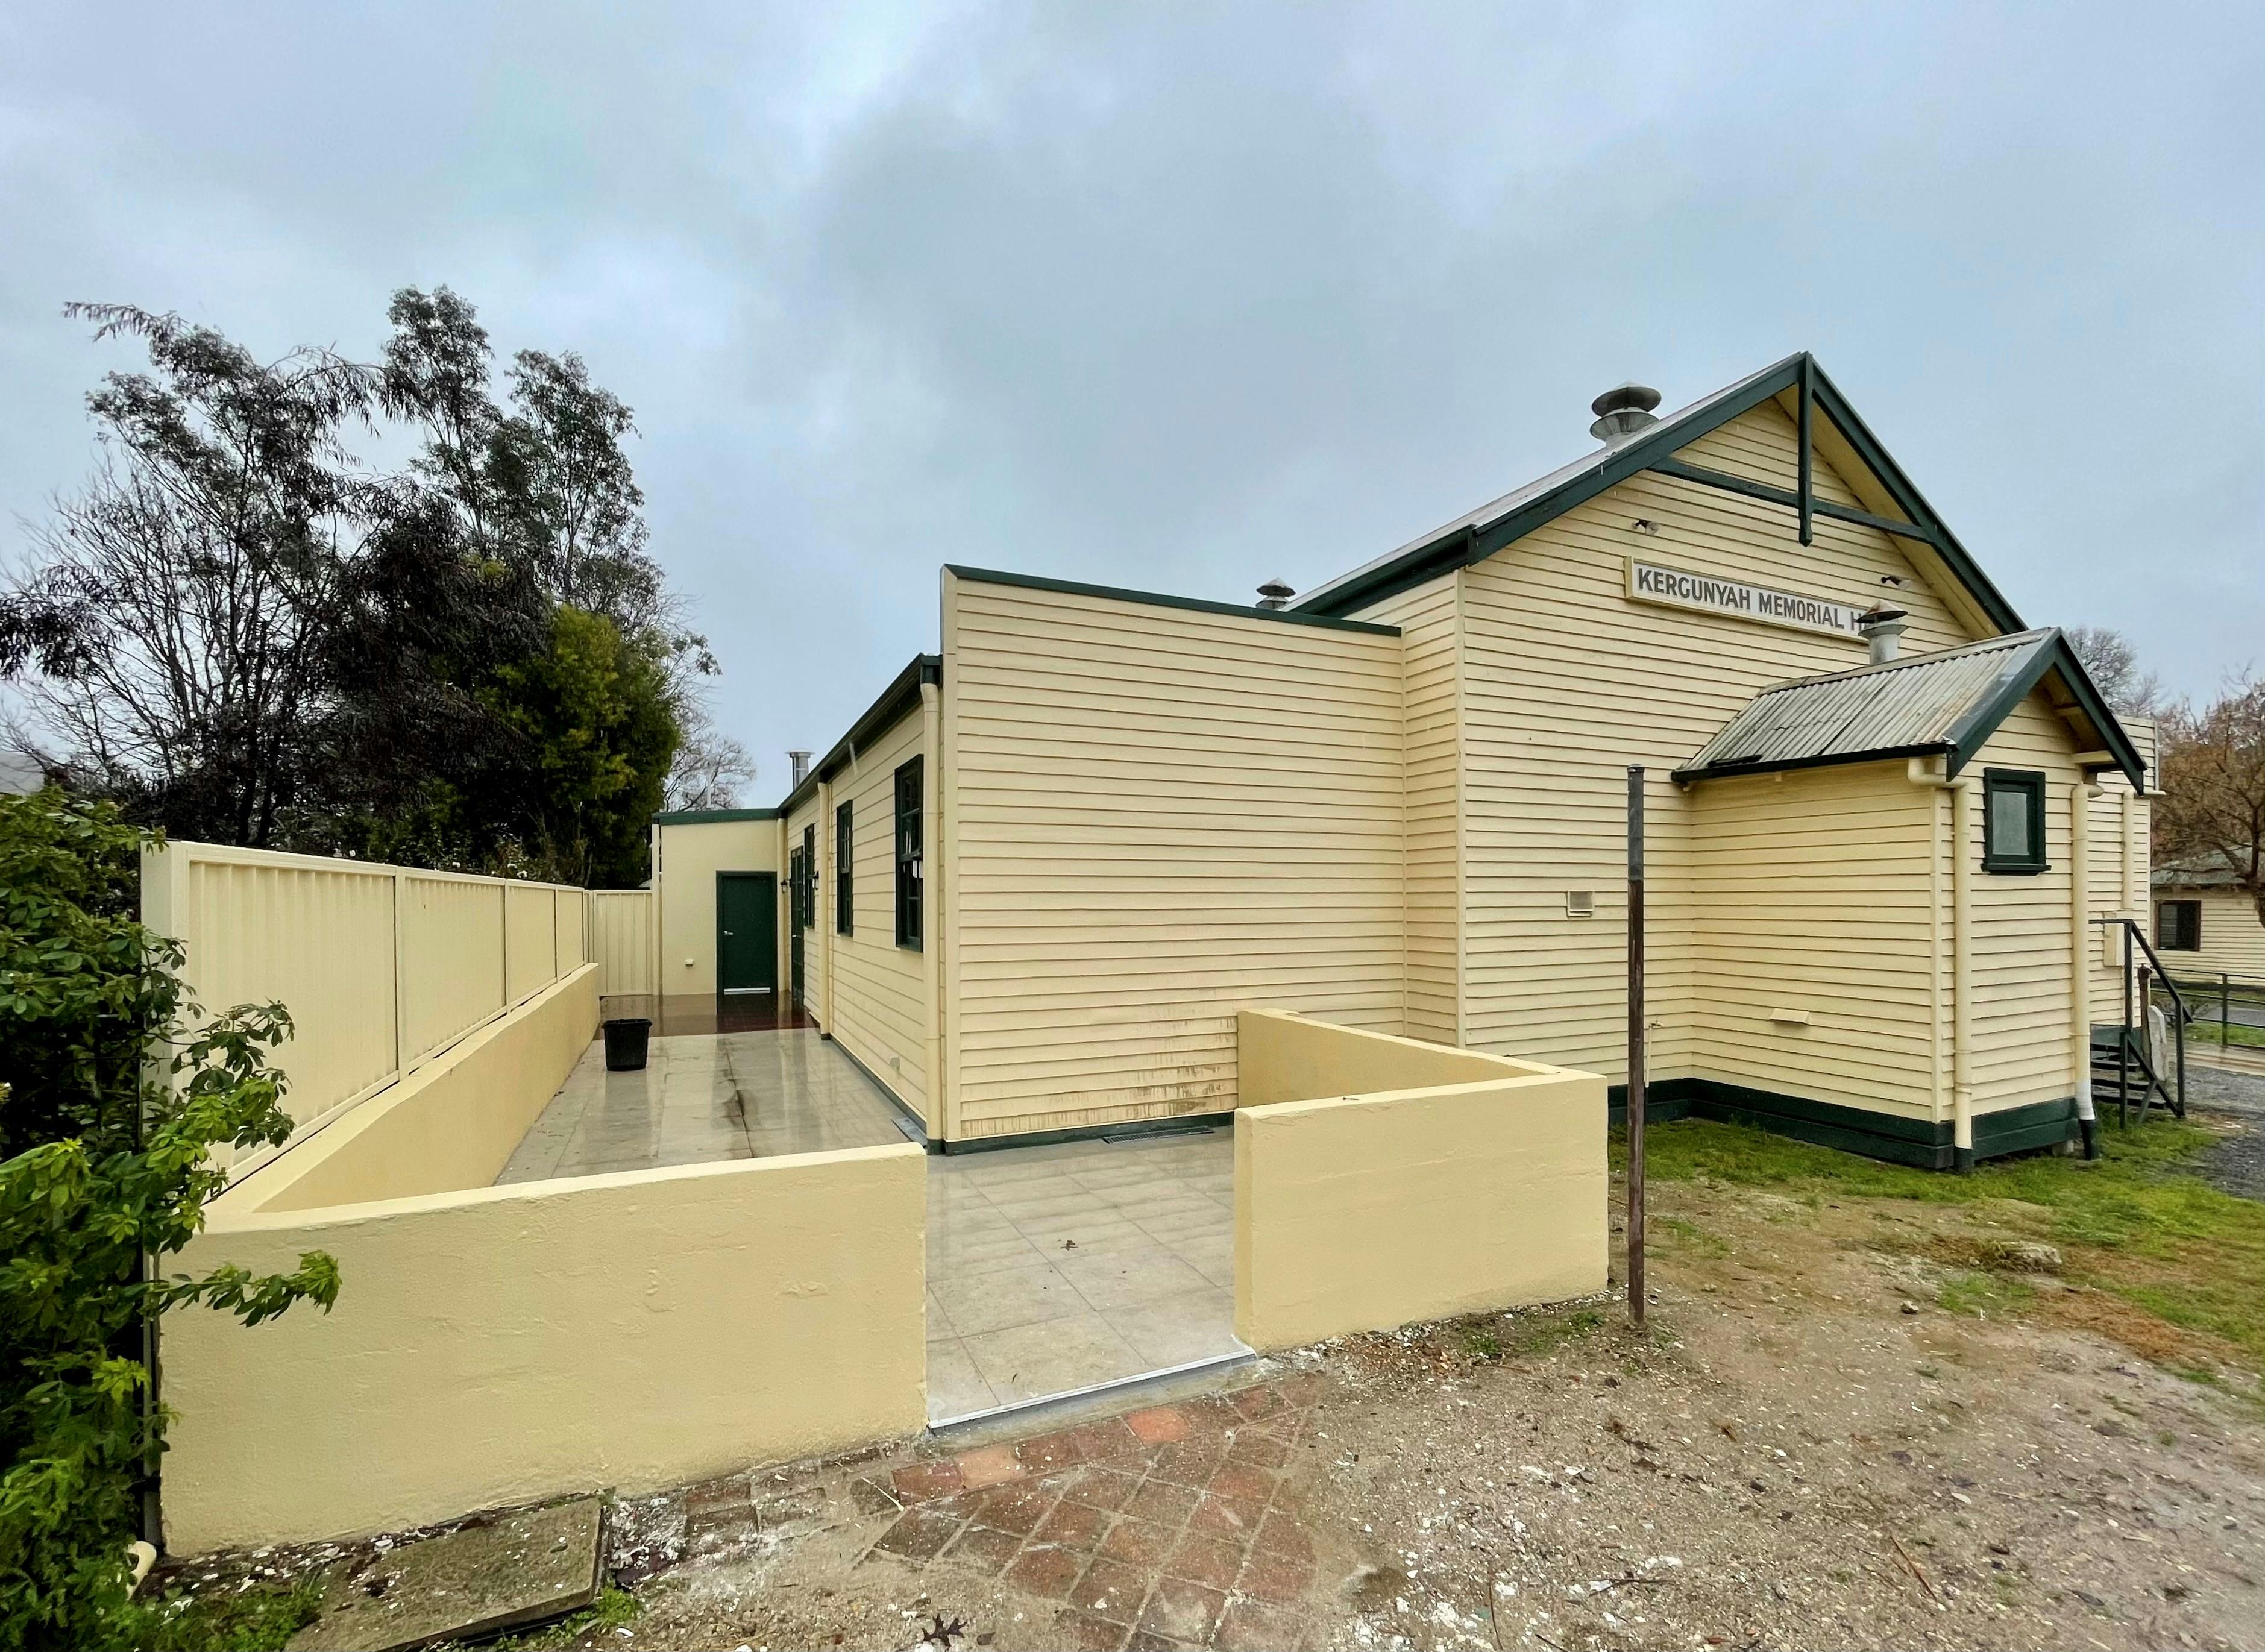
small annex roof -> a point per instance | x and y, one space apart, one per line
2208 870
1945 703
1842 439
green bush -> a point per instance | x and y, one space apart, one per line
113 1087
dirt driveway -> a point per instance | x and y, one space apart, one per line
1826 1436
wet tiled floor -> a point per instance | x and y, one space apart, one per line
1053 1269
741 1095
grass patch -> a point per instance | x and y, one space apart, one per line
1532 1334
257 1619
1692 1236
1983 1295
2138 1223
2231 1032
614 1609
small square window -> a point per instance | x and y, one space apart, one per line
2012 821
2178 925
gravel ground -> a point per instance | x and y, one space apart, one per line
2235 1104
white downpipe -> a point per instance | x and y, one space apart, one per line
1962 793
1928 772
2080 797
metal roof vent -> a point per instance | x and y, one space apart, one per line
1881 628
1622 412
1276 593
799 766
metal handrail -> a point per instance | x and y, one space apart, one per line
2133 932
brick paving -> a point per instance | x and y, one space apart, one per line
1170 1527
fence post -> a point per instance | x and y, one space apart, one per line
400 976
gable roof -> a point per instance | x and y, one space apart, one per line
1946 703
1480 533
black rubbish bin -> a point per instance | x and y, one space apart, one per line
625 1044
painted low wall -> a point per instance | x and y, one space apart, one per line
1280 1056
633 1331
451 1124
1358 1212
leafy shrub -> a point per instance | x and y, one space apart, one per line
113 1087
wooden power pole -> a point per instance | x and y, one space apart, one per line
1635 1042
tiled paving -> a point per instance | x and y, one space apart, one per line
1173 1526
1053 1269
741 1095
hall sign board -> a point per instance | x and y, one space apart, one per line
1708 594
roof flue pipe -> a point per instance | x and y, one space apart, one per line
1622 412
799 766
1882 628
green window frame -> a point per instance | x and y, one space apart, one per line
909 847
810 877
845 897
2178 925
2012 821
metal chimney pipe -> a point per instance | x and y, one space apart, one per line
1275 594
1623 411
1882 628
799 766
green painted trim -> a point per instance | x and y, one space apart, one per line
888 1094
898 699
1194 604
1980 724
711 817
1887 1136
1833 760
2030 782
1132 1130
1729 484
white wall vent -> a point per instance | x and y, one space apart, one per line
1580 903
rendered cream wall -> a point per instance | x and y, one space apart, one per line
684 884
630 1331
1369 1211
451 1124
1811 893
1154 816
877 1008
1281 1056
1565 681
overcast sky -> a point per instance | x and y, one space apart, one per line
1182 297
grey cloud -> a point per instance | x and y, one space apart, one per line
1184 297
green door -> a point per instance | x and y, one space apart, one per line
747 932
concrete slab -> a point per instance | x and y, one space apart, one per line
1059 1269
704 1098
479 1580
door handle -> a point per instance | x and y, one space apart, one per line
727 932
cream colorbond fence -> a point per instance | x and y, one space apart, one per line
381 967
623 940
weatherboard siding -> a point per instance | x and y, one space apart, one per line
2232 940
877 1005
2021 1048
1566 681
1812 896
1156 818
1430 618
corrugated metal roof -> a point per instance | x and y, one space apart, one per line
1910 706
